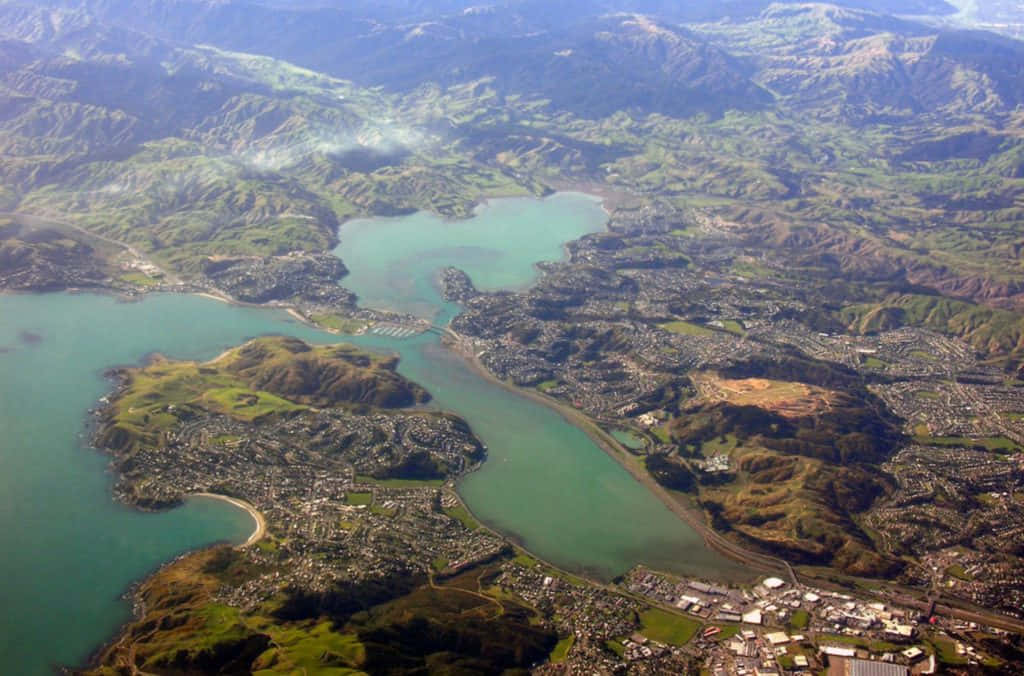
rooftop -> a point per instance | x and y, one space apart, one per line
871 668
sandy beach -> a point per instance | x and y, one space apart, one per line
261 523
213 296
299 316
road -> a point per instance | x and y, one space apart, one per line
755 560
41 221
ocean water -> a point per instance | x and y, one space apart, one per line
70 551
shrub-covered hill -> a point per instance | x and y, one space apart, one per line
993 333
322 376
795 486
394 625
265 377
43 259
804 460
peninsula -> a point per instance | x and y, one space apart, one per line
366 560
803 309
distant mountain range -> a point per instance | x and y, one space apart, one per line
193 128
589 58
824 172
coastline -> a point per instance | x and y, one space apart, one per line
694 519
691 516
222 356
138 609
608 199
298 316
257 516
217 297
573 417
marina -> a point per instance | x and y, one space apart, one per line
395 331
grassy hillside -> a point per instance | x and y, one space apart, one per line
201 152
403 627
803 460
993 333
265 377
49 257
885 148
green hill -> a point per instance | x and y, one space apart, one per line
265 377
995 334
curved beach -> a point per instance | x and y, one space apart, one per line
257 516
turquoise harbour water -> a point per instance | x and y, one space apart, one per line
70 551
545 483
394 262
